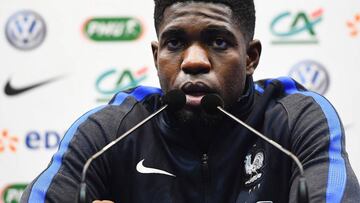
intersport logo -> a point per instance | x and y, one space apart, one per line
113 29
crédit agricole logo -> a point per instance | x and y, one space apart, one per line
296 28
104 29
112 81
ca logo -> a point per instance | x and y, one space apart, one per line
298 28
111 81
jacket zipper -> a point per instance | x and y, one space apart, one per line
205 176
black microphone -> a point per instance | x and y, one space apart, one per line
211 103
173 100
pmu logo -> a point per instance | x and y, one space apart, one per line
12 193
354 25
113 29
25 30
296 28
8 142
113 81
311 75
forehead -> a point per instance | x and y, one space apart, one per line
197 13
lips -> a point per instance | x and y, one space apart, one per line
194 92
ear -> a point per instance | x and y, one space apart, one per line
155 48
253 56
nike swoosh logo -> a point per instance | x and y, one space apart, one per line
12 91
143 169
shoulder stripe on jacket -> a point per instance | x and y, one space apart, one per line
259 89
139 94
337 171
41 185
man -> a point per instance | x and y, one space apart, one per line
191 156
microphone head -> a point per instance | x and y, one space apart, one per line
175 99
210 102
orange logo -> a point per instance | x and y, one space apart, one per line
8 141
353 25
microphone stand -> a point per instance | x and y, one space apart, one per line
302 188
213 102
174 100
82 192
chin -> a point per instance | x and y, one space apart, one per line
195 117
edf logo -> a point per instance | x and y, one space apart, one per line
312 75
296 28
49 140
25 30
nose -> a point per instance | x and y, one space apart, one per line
195 60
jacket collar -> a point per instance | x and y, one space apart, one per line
193 139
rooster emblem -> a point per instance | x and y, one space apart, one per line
253 169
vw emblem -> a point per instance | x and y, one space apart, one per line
311 75
25 30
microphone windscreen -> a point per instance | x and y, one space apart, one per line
175 99
210 102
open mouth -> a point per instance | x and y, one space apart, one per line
194 92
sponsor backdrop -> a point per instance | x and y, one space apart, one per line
62 58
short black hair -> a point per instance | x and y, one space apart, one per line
243 13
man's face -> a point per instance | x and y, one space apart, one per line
202 50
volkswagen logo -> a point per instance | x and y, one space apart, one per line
25 30
311 75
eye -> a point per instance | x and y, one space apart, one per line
220 43
174 44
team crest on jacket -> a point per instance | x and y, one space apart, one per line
254 163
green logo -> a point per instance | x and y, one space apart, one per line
12 193
113 81
299 28
113 29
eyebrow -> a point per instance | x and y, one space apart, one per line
211 30
218 30
174 31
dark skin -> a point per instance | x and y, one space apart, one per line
202 50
